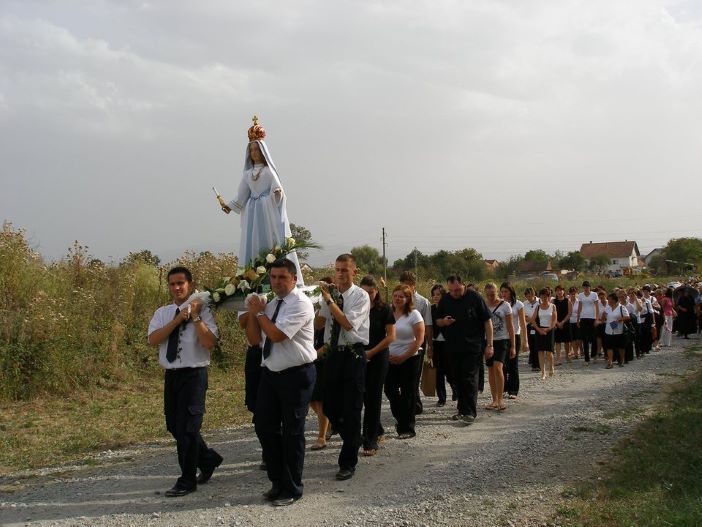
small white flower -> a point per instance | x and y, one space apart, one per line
260 270
215 296
244 285
240 272
229 290
270 258
226 278
291 242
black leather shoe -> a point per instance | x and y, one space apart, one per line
206 473
272 493
285 501
344 473
178 491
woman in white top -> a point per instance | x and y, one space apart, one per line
502 345
530 303
634 306
543 321
614 317
508 294
575 342
587 320
400 387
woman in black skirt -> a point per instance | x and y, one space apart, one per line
544 321
530 304
316 400
381 334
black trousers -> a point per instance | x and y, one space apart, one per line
252 376
344 386
533 352
587 335
184 407
281 408
376 370
466 364
646 336
400 389
512 369
443 372
419 407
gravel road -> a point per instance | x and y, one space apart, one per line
508 469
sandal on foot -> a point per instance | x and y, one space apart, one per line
369 452
501 408
491 406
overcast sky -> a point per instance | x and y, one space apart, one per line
504 125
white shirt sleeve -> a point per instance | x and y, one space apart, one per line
295 316
357 312
209 320
156 321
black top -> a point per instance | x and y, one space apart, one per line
470 313
436 330
318 338
379 318
561 308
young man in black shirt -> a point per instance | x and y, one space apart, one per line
466 325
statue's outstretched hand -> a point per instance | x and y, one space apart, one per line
226 209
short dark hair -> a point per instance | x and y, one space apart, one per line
545 291
613 296
438 287
646 288
346 257
179 269
572 289
529 291
586 283
454 278
285 263
408 277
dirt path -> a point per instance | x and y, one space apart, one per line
507 469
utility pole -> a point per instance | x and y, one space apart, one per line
385 267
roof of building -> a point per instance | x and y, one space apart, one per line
534 266
611 249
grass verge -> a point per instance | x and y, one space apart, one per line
49 431
655 475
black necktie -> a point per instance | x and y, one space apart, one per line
336 327
268 344
172 351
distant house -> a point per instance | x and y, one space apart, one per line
650 256
622 255
530 268
491 265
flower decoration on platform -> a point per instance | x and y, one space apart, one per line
254 277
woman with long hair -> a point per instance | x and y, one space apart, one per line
544 321
400 387
503 345
508 294
317 399
575 342
381 334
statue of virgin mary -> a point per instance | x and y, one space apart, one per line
261 202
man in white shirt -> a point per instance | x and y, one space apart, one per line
185 333
284 328
346 325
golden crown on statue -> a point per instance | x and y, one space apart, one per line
256 132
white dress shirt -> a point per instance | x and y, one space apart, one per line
356 309
191 354
295 319
423 305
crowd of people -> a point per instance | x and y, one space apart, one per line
340 359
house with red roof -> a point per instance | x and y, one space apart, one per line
622 255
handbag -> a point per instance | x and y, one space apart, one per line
428 383
629 331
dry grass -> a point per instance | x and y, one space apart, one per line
48 431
